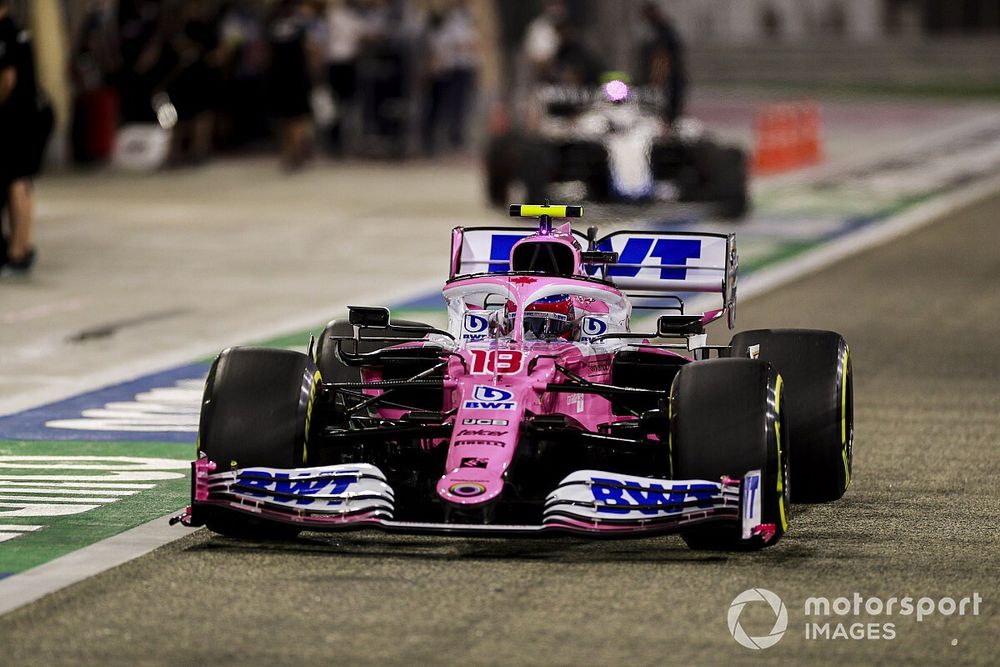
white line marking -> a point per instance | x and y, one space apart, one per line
5 489
5 495
37 582
43 509
74 485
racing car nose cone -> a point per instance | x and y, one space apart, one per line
469 486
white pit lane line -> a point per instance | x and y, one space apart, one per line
31 585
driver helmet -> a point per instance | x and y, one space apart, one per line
550 317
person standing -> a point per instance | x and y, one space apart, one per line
95 65
346 31
25 124
290 80
465 45
663 61
541 39
437 74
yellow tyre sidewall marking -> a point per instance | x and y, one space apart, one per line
777 435
316 379
843 418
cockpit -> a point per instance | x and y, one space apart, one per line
529 309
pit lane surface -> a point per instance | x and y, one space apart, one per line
919 520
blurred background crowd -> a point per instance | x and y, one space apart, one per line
399 78
146 84
225 74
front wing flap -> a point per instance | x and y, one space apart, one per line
587 501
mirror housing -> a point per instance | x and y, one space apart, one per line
679 325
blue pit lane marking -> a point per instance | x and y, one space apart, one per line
160 407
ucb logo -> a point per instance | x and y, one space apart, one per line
485 397
475 327
593 327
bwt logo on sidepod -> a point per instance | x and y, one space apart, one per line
622 496
593 327
485 397
475 327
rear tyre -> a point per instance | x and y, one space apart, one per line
255 412
816 368
720 179
500 161
731 184
727 420
535 170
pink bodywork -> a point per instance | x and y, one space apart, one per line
486 433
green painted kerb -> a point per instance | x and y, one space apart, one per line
60 535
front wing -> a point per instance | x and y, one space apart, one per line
592 502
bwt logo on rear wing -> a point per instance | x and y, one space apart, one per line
657 262
668 261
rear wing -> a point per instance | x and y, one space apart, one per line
649 264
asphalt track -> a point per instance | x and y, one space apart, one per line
921 519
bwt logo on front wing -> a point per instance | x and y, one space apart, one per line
485 397
622 496
264 483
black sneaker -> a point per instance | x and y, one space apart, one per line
21 267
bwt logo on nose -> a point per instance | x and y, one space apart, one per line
485 397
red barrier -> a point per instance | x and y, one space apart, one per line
787 136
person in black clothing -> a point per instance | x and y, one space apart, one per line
663 61
95 65
25 124
290 79
194 82
574 63
144 61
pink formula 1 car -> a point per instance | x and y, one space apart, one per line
538 409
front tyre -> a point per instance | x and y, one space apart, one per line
255 413
727 419
816 367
